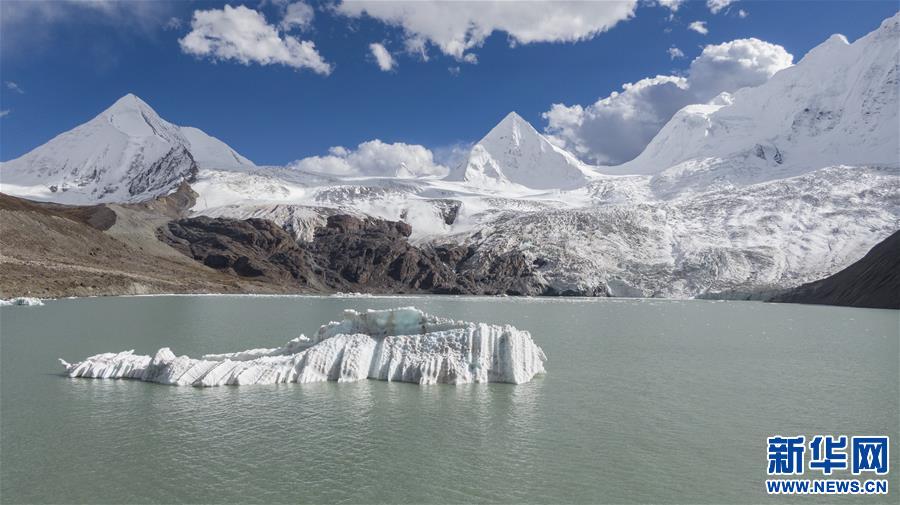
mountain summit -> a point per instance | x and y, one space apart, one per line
514 153
126 153
839 105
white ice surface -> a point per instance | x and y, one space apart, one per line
22 300
403 345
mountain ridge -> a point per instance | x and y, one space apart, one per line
515 153
127 153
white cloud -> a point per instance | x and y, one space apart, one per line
742 13
699 27
4 113
453 155
618 127
174 23
27 23
243 35
374 159
675 53
417 46
715 6
12 86
458 27
383 57
297 15
733 65
672 5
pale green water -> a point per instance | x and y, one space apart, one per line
645 401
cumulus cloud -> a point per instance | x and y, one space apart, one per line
675 53
375 159
12 86
672 5
417 46
742 13
243 35
174 23
383 57
455 28
715 6
297 15
452 155
616 128
699 27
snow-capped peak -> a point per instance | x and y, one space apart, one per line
513 125
837 105
514 153
133 117
128 102
125 153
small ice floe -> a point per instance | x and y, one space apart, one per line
22 300
404 345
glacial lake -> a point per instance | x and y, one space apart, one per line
644 401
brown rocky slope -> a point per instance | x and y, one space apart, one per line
348 254
52 250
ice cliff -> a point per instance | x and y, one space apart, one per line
404 345
22 300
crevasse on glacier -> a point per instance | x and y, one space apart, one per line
404 345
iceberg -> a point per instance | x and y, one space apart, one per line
22 300
404 345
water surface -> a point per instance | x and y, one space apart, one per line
645 401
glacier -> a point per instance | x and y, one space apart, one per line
401 345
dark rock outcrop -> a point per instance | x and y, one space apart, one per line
167 173
248 248
349 254
873 281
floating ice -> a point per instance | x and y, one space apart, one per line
22 300
404 345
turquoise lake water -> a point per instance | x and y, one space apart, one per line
644 401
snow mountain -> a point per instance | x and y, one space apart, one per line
127 153
513 153
765 189
839 105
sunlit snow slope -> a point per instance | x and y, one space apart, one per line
127 153
837 106
513 153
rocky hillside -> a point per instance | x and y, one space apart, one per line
347 254
52 250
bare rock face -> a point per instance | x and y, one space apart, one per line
376 254
248 248
349 254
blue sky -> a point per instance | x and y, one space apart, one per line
69 61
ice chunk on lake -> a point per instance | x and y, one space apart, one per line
22 300
404 345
